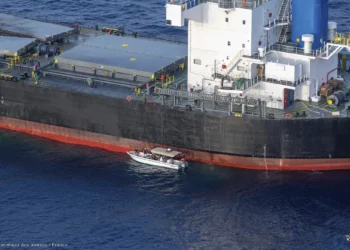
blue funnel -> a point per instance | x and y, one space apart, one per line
310 17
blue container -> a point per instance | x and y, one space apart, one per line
310 17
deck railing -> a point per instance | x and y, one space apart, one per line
296 50
279 22
226 4
251 82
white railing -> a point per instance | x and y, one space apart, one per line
287 83
279 22
230 66
325 51
205 97
296 50
226 4
251 82
181 2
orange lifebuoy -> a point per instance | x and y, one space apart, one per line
288 116
128 98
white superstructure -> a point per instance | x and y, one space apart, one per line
242 47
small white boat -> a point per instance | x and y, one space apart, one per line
160 157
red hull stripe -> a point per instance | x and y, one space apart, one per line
116 144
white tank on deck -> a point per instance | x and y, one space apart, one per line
332 26
308 39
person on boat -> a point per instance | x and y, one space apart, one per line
136 151
144 151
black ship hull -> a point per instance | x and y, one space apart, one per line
120 124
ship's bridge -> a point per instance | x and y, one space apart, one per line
179 10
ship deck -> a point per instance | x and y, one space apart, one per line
122 84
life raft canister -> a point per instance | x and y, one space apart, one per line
288 116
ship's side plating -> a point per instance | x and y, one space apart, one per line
199 131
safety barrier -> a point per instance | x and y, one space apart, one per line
227 4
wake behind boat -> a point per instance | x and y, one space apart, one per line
161 157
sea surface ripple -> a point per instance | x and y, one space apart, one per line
92 199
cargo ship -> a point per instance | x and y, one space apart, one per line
260 84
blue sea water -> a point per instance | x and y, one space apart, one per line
93 199
88 198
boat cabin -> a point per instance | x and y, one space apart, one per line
169 153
